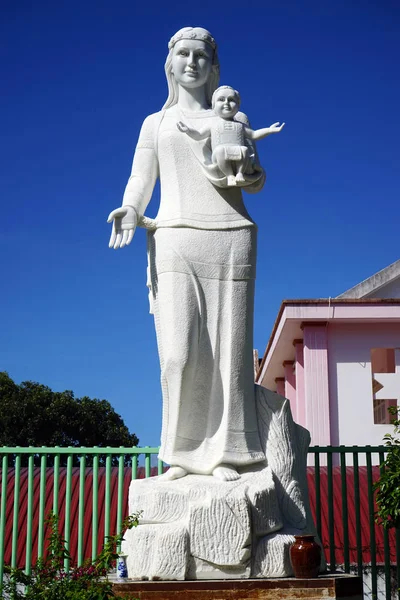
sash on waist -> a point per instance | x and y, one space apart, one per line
205 270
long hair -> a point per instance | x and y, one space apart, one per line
213 78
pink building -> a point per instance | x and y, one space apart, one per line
338 361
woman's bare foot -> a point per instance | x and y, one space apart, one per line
226 472
174 473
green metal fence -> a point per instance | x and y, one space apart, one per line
344 510
100 459
90 484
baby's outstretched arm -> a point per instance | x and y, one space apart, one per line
259 134
195 134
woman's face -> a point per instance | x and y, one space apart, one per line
191 63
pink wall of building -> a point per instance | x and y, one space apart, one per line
290 386
350 380
316 384
299 372
334 390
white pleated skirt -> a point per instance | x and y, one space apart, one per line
202 296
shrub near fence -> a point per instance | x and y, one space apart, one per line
91 502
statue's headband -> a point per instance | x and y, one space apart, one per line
192 34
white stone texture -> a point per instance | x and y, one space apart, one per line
202 247
157 551
285 445
220 530
162 504
272 558
201 569
217 529
279 439
231 138
261 493
201 270
203 315
219 519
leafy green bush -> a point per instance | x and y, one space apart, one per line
50 581
388 486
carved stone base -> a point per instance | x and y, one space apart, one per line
199 527
343 587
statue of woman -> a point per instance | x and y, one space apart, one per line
201 273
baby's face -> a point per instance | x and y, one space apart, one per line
226 104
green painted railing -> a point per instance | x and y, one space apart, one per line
87 489
343 471
101 459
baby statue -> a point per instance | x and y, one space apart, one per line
228 137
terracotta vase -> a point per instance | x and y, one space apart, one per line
305 555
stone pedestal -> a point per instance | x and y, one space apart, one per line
199 527
202 528
343 587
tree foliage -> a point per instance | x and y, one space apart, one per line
31 414
388 486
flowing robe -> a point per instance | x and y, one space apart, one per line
202 258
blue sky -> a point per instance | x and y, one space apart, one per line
78 78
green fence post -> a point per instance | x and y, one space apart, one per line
107 503
17 484
332 556
147 462
386 547
67 524
120 498
356 476
134 466
81 513
345 516
3 506
29 517
95 505
317 471
374 584
42 502
56 482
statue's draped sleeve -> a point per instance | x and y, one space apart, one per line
144 173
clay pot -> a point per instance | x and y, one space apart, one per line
305 555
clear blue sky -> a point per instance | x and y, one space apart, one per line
79 77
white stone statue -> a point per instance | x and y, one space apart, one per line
239 522
228 136
202 258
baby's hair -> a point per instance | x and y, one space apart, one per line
224 87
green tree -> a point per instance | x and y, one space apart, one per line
31 414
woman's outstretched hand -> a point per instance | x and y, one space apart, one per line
276 127
125 220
